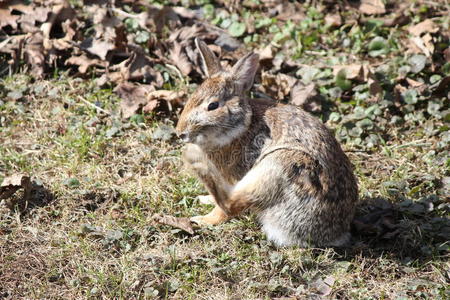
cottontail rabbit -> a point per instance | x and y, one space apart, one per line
275 159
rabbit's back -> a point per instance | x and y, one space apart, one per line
311 193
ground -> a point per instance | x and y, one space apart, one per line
87 228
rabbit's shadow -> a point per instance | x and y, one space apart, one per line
29 197
405 230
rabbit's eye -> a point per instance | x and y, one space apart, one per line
213 105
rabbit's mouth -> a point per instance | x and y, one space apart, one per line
192 137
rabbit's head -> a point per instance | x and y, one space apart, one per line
218 111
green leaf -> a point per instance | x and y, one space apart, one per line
435 78
410 96
433 108
263 22
417 62
378 46
142 37
72 182
342 81
208 10
365 124
308 74
334 117
237 29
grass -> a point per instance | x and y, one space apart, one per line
88 232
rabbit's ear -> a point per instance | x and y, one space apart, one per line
244 71
211 64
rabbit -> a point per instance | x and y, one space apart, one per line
274 159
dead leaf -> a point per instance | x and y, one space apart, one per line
428 43
265 53
163 99
372 7
447 54
351 71
181 223
6 18
83 63
97 47
137 67
414 83
277 86
34 53
306 96
426 26
323 286
443 87
66 42
13 183
399 20
60 11
333 20
420 44
184 12
166 94
152 105
133 97
180 59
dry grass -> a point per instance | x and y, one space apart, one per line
87 231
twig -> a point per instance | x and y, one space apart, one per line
93 105
411 144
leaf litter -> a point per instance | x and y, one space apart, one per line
367 68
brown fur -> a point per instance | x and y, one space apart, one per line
274 158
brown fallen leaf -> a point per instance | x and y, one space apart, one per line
133 97
152 105
323 286
6 17
443 87
372 7
399 20
428 43
181 223
83 62
184 12
306 96
277 86
414 83
34 53
426 26
375 87
352 71
423 45
265 53
137 67
33 16
97 47
163 100
66 42
183 52
333 20
61 10
166 94
13 183
447 54
180 59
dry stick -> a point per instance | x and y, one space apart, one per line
411 144
93 105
